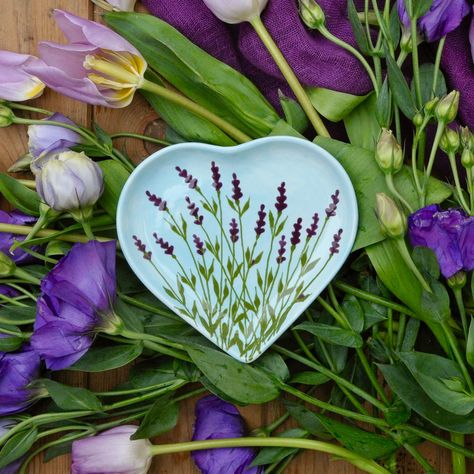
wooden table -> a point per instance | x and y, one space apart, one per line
23 24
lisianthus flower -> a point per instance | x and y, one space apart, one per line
112 452
217 419
19 256
76 302
98 66
450 234
44 139
443 17
17 371
8 291
5 426
17 84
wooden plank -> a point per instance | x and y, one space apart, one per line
25 22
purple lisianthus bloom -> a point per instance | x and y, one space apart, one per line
7 239
76 302
44 139
448 233
443 17
17 84
17 371
216 419
6 425
8 291
112 452
98 66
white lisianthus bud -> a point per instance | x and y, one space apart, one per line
389 153
450 141
69 181
391 219
311 14
236 11
6 116
447 108
111 452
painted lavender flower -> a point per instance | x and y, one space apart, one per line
219 283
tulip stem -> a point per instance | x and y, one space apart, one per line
197 109
365 464
14 105
290 77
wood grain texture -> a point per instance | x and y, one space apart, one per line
26 22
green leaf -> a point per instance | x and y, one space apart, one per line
394 26
100 359
283 129
19 196
426 261
332 334
333 105
57 248
275 455
368 180
470 344
420 7
435 306
274 365
406 387
307 419
399 87
17 315
354 313
294 114
115 176
426 83
59 450
10 343
17 446
357 28
383 107
434 374
160 418
309 378
411 334
71 398
198 75
242 382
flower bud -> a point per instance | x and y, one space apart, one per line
467 138
116 5
418 120
447 108
6 116
112 451
389 153
391 219
7 265
69 181
458 280
467 158
431 105
23 163
450 141
311 14
405 40
236 11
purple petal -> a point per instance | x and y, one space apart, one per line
8 291
403 14
466 243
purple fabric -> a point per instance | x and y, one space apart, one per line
316 61
217 419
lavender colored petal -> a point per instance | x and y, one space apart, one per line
8 291
403 14
466 243
86 275
60 344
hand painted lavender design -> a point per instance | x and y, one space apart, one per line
238 286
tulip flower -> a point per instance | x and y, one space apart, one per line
75 303
123 5
5 426
216 419
7 239
450 234
443 17
70 181
44 139
17 371
98 66
236 11
17 84
112 452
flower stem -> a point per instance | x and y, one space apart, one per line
415 60
429 167
25 276
439 53
458 459
394 191
139 136
290 77
457 182
14 105
427 467
188 104
362 463
461 308
87 229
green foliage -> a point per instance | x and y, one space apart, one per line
19 196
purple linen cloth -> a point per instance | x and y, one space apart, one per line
316 61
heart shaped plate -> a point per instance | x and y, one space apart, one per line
238 241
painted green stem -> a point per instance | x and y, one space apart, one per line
290 77
197 109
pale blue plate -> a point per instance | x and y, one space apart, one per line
207 288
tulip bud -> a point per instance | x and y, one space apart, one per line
450 141
391 219
311 14
70 181
389 153
112 451
431 105
7 265
236 11
6 116
447 107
